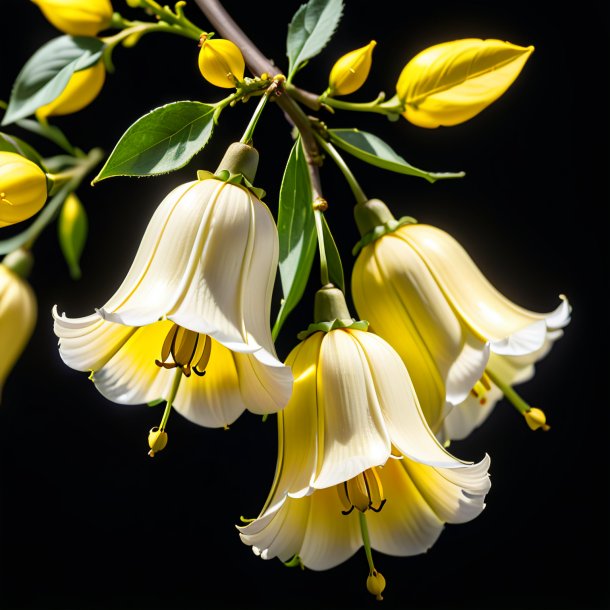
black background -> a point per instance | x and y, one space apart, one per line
89 521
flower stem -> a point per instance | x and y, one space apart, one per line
345 170
391 107
324 276
509 392
249 133
170 400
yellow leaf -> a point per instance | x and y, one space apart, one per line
451 82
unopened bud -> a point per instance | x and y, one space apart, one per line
77 17
375 584
23 188
535 419
351 71
221 62
157 439
82 88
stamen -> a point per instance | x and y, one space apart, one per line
363 492
186 350
481 387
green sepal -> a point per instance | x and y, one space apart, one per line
332 325
381 230
154 403
225 176
294 562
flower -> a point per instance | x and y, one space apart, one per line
190 322
351 71
221 62
18 309
82 88
77 17
451 82
23 188
355 452
457 334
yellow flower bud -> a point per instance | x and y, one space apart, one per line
23 188
375 584
82 88
535 419
77 17
221 62
157 439
451 82
18 310
72 226
350 71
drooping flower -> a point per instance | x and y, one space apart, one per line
421 291
190 322
82 88
77 17
23 188
221 62
451 82
18 309
353 436
351 70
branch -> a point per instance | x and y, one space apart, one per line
259 64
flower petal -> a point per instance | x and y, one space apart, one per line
266 387
298 426
455 495
86 344
489 314
396 397
213 296
468 415
257 290
406 525
353 435
131 375
279 532
331 537
467 369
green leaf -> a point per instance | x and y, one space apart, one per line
373 150
46 74
311 28
9 143
297 234
51 132
333 258
162 141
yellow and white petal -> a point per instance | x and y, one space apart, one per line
257 291
87 343
393 393
455 495
131 375
406 525
213 295
468 415
352 432
278 532
467 369
331 537
147 251
490 315
378 273
264 381
184 270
